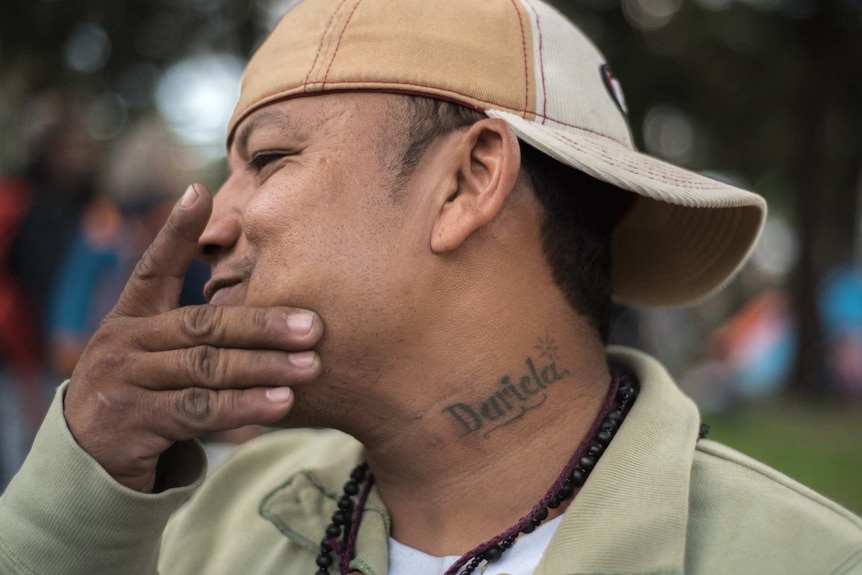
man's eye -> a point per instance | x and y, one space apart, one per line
260 161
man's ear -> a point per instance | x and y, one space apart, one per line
488 163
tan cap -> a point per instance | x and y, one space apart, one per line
521 61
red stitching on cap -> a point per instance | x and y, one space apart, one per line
340 36
322 38
541 61
526 65
687 183
260 101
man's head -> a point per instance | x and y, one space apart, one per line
522 62
412 173
320 213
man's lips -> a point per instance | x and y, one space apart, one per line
218 283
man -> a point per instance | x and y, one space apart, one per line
411 173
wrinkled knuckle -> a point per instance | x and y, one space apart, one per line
195 404
204 363
145 270
110 335
114 361
260 319
199 321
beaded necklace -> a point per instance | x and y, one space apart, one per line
341 533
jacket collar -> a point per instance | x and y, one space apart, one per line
630 517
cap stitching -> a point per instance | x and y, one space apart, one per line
266 99
541 61
322 39
669 179
338 45
526 64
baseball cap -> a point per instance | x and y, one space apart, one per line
685 235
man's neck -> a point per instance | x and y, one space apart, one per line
466 465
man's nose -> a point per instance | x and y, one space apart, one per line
224 228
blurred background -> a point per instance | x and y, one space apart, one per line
109 109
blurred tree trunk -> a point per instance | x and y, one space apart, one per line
826 195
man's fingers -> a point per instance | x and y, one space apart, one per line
280 328
191 412
157 280
217 368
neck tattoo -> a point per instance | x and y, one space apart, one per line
340 538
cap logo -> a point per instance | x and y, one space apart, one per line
614 88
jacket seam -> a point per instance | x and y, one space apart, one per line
853 560
14 560
282 527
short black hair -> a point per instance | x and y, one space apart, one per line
579 211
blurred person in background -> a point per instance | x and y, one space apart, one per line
136 190
40 208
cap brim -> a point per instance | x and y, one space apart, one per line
684 238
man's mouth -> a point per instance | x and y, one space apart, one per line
217 288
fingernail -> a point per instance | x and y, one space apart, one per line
302 358
189 197
279 394
300 323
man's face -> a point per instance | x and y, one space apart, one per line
307 219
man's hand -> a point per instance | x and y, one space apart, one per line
154 374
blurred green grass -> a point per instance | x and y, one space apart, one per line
818 445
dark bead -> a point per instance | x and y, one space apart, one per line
351 488
609 426
325 547
345 503
604 437
555 502
578 477
529 527
475 562
542 515
616 416
324 561
359 473
587 463
340 518
333 531
322 571
566 490
595 450
492 554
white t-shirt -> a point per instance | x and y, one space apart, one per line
521 559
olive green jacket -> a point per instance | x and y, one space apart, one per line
658 502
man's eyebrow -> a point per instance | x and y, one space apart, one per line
263 117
